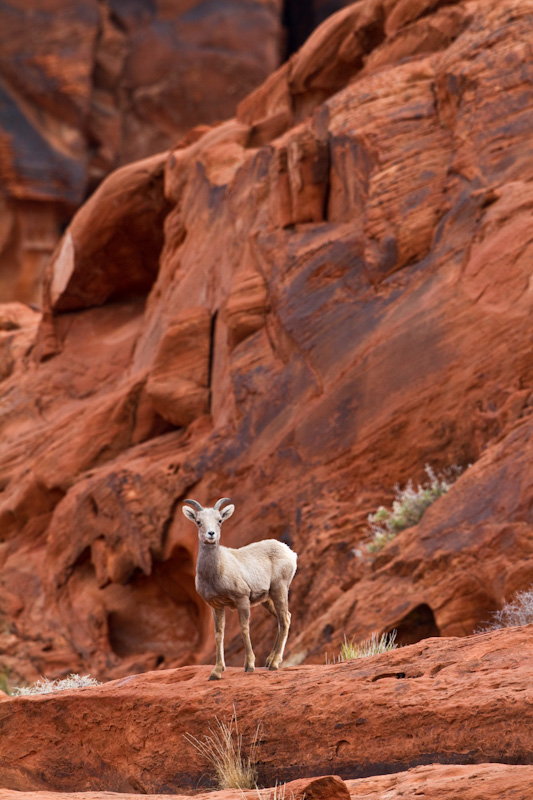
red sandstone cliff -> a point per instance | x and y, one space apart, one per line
297 322
86 86
297 308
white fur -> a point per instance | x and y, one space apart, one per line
260 572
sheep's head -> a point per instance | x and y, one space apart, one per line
208 520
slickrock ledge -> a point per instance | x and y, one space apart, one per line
440 782
448 701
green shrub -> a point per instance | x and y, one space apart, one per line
45 686
222 748
408 507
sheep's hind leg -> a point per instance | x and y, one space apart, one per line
281 605
244 621
269 605
219 619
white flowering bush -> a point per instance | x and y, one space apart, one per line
408 507
45 686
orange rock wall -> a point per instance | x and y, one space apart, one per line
87 86
298 309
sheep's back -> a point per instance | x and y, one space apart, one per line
267 560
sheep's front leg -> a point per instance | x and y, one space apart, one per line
244 622
219 619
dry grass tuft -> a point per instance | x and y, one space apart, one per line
45 686
277 793
519 611
370 647
222 748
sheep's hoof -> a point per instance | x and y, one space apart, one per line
272 666
249 668
215 676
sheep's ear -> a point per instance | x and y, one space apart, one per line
189 513
227 512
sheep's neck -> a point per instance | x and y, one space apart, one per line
208 558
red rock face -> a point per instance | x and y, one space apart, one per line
298 309
87 86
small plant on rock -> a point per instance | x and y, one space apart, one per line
408 507
278 793
5 685
222 748
371 647
45 686
519 611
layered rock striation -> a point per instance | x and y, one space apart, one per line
87 86
297 308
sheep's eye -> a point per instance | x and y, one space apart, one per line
220 521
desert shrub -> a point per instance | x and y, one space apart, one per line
45 686
408 507
222 748
519 611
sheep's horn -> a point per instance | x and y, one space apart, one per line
222 500
194 504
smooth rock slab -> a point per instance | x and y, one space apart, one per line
479 782
451 701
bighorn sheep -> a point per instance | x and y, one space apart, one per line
256 573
